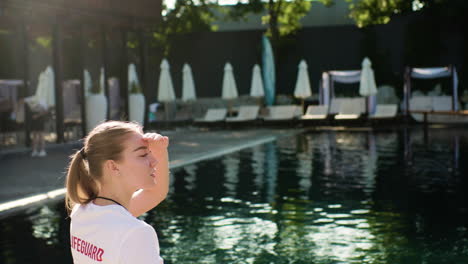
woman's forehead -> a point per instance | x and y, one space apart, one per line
135 140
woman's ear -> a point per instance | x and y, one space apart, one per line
111 166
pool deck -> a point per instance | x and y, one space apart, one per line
26 181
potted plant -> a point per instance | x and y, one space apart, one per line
96 102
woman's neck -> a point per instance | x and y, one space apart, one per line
119 197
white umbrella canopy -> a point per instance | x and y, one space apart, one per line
101 81
256 86
132 76
229 83
45 92
367 85
88 83
302 89
165 87
188 85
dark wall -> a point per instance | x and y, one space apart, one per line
207 54
417 40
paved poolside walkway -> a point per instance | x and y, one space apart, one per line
22 176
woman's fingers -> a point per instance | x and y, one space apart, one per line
156 140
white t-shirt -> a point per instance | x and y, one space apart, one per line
110 234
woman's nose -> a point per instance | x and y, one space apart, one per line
153 161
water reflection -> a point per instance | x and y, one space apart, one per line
45 225
231 164
324 197
271 168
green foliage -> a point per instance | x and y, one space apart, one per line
282 16
96 88
187 16
45 42
135 88
371 12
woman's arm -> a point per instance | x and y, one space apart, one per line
145 200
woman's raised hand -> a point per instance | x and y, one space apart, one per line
156 142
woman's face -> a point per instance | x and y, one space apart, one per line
137 164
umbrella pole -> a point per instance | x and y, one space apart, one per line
166 110
302 106
229 107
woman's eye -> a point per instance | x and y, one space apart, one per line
144 155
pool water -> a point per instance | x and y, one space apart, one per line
320 197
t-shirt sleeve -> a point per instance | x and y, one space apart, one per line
141 246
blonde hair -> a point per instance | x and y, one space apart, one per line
84 172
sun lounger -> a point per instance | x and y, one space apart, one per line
213 115
283 112
316 112
245 113
351 108
442 103
384 111
335 105
420 103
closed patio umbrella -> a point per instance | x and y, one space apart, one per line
229 91
45 92
49 87
188 85
88 83
165 88
256 86
132 76
367 86
302 89
229 83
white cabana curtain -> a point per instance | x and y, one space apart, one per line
345 76
431 73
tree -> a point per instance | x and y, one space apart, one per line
282 16
370 12
187 16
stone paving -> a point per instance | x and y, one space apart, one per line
23 176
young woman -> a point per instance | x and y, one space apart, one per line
38 115
119 174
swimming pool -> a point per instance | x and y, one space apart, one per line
320 197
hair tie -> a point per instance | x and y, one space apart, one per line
83 154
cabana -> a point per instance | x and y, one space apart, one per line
327 91
436 109
430 73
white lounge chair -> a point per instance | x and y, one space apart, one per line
213 115
420 103
442 103
316 112
351 108
283 112
383 111
335 105
245 113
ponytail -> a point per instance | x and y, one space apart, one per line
81 187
